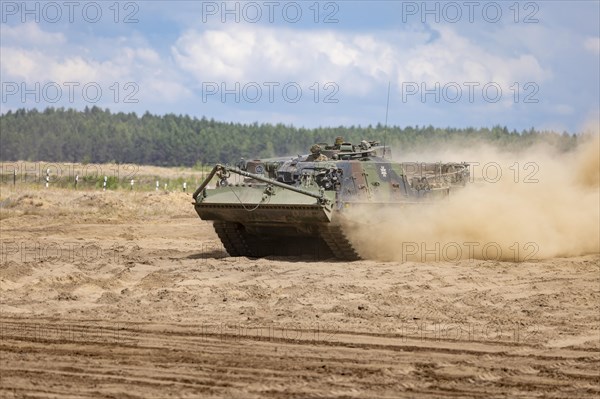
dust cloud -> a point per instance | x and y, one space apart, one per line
537 203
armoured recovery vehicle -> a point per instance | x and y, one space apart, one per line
300 205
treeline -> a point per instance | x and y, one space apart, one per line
98 136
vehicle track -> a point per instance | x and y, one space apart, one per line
158 360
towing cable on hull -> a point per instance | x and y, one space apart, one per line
222 169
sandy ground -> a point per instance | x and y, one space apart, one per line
130 295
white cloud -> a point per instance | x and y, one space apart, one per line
30 34
23 61
39 66
16 63
356 61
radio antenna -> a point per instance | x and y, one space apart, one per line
387 107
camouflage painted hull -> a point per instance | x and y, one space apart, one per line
299 210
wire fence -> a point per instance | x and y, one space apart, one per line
17 176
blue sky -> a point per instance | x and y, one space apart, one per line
307 63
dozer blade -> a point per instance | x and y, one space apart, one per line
246 205
245 213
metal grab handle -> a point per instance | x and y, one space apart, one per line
206 181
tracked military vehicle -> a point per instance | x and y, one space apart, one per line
298 206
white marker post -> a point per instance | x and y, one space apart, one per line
157 185
184 187
131 184
165 186
76 181
104 185
47 177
